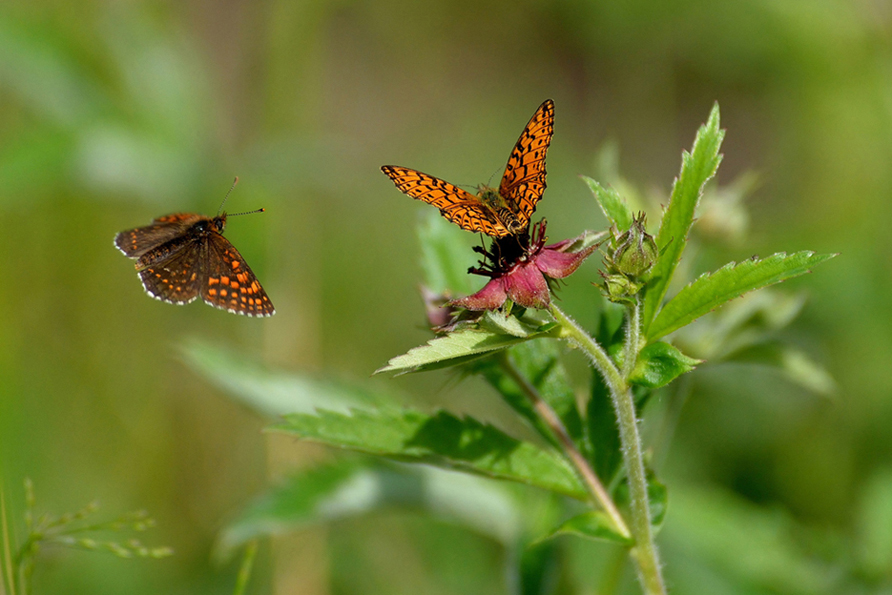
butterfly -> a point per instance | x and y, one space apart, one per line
184 255
497 213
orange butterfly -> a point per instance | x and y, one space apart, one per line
497 213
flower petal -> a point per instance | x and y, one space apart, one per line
492 296
527 287
557 264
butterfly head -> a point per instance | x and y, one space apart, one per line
218 223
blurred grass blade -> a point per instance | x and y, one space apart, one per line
275 393
351 488
247 565
711 290
797 366
441 439
612 204
697 168
8 571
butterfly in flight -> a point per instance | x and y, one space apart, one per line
184 255
496 212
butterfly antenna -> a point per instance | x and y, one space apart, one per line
247 213
234 182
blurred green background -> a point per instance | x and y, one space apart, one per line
113 113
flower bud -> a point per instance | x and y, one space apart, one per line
635 251
619 288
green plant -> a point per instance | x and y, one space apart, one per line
589 458
69 530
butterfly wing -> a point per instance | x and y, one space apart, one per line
136 242
229 283
524 180
175 279
456 205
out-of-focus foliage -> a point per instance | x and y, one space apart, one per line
114 113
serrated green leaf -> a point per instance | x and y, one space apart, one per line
443 440
274 393
659 364
612 204
697 168
351 488
462 346
539 362
590 525
445 256
711 290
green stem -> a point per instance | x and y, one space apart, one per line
645 550
633 334
591 482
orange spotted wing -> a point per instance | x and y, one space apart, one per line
497 215
181 256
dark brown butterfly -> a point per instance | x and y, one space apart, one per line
497 213
184 255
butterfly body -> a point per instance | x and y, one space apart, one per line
496 212
183 256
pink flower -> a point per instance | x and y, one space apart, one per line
520 269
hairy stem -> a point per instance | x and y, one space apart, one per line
633 334
645 550
583 469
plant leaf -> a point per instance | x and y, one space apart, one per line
443 440
352 488
612 204
274 393
711 290
464 345
659 364
590 525
697 168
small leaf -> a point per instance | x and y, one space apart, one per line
352 488
612 204
659 364
590 525
443 440
711 290
273 393
464 345
697 168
